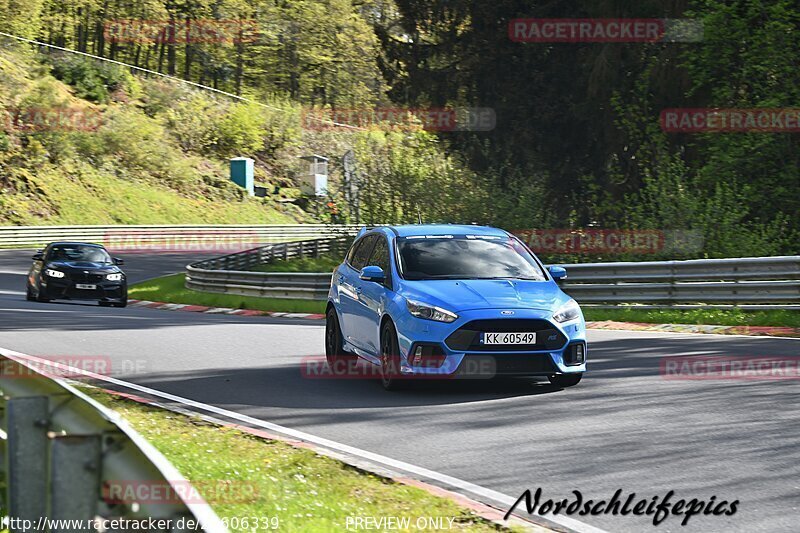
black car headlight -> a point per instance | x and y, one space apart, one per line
430 312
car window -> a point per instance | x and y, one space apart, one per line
361 252
380 256
78 252
467 257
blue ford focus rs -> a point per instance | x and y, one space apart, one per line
448 301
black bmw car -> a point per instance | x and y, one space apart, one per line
77 271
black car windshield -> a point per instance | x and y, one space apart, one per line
466 257
78 253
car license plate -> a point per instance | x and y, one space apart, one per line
509 338
84 286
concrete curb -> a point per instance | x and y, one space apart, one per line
769 331
220 310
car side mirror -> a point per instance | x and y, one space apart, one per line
118 261
557 272
373 273
38 256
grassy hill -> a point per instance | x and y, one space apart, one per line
159 154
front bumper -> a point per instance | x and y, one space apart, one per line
555 351
65 289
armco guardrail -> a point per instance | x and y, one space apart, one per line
228 274
123 237
63 450
763 282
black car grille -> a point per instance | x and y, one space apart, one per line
81 277
468 336
490 365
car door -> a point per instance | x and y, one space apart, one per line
349 285
373 298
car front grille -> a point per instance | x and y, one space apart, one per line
88 277
468 336
490 365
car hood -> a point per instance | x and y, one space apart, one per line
83 265
464 295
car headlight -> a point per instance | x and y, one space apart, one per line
568 311
430 312
54 273
114 277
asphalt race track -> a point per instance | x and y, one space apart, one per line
624 427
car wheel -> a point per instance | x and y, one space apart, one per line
123 303
334 340
391 379
40 298
29 293
566 380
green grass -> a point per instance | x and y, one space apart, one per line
720 317
325 263
171 289
303 490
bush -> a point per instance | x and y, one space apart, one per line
93 79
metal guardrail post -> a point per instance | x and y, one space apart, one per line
74 479
26 456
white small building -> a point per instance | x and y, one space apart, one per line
314 178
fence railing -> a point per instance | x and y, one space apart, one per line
121 237
749 281
763 282
231 274
62 451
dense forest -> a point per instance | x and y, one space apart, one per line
577 141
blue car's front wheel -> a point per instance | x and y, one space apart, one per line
390 358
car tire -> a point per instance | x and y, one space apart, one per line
123 303
29 294
39 297
334 341
565 380
391 379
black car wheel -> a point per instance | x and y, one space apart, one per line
29 293
566 380
334 340
40 298
391 379
123 303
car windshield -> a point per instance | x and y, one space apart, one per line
466 257
79 252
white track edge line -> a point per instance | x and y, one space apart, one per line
466 486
